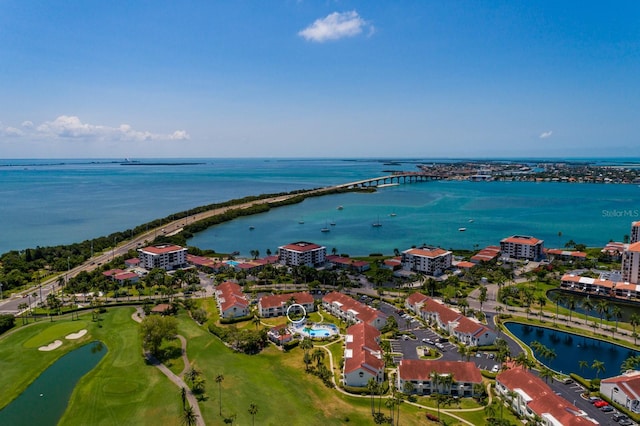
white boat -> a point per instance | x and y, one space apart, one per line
376 224
251 228
470 220
462 229
392 215
324 230
340 207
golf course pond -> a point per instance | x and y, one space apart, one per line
45 400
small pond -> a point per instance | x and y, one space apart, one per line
570 349
626 308
46 399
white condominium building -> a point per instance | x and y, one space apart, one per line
522 247
427 260
302 253
165 256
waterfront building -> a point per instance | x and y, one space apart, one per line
466 330
532 397
631 263
231 301
565 255
121 276
362 356
420 373
635 232
302 254
623 389
427 260
276 305
350 310
280 334
522 247
348 264
165 256
613 251
487 254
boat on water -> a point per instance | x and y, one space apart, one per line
325 229
340 207
251 228
377 223
470 220
462 229
392 215
332 224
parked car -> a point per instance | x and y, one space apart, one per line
593 399
606 409
495 368
617 416
601 403
626 422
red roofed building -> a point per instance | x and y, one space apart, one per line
427 260
464 329
533 397
465 265
362 356
165 256
350 310
393 263
280 334
231 301
277 305
487 254
420 373
347 263
132 263
522 247
614 250
623 389
635 232
415 302
302 253
126 276
565 255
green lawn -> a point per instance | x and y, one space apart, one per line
123 390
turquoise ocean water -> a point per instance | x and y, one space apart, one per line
48 202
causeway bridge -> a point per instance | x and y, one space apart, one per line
393 179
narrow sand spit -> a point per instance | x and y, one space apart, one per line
77 335
51 346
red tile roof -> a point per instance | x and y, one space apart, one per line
629 383
161 249
421 369
544 400
416 298
426 252
635 247
112 272
277 300
230 295
364 313
364 347
126 276
522 239
559 252
466 265
301 246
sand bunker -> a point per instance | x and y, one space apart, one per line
51 346
77 335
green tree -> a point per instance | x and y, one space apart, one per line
634 320
546 373
483 296
598 366
372 386
219 380
617 314
587 306
571 305
253 410
602 307
154 329
582 364
189 417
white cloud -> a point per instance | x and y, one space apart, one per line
545 135
71 127
11 131
336 26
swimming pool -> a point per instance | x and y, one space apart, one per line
317 330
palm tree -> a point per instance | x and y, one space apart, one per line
256 321
372 387
318 355
546 373
542 301
399 399
253 410
183 396
189 417
483 296
571 305
582 364
598 366
307 359
617 314
634 320
587 306
630 363
602 307
306 344
219 379
490 411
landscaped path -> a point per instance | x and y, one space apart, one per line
449 412
177 380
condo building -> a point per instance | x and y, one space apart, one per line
302 254
427 260
522 247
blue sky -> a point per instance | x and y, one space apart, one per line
319 78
